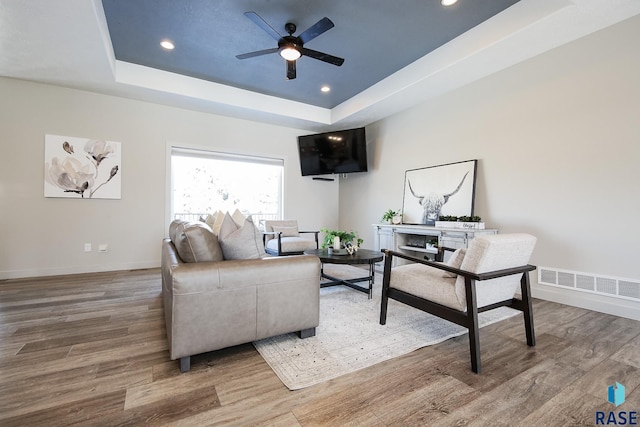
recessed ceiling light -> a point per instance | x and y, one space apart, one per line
167 44
448 2
325 89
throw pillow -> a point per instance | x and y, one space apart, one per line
173 228
243 242
287 231
195 242
211 219
238 218
455 261
219 216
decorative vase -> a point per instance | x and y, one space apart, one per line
336 243
397 219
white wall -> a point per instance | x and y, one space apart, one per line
557 139
46 236
558 144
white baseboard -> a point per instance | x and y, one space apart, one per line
20 274
601 303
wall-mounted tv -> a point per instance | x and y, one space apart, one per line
343 151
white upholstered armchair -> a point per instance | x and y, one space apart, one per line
283 238
484 276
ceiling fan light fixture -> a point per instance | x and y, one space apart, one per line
167 44
448 2
290 53
292 47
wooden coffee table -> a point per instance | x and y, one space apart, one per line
363 256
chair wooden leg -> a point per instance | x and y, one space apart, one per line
474 329
383 306
385 288
525 289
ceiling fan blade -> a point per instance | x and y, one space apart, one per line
263 24
291 70
257 53
316 29
322 56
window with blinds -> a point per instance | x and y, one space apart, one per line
203 182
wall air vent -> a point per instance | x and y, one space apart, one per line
592 283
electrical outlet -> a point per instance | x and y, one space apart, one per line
103 247
87 247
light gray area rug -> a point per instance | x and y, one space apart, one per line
350 336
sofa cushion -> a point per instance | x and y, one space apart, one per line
411 278
243 242
194 241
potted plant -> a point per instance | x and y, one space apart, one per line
343 236
392 217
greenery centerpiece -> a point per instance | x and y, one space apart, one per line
344 236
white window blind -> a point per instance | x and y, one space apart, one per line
203 182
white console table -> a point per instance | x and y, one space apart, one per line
421 240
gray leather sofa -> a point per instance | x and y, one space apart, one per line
210 305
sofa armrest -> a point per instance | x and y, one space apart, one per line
475 276
268 235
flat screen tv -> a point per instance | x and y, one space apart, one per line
343 151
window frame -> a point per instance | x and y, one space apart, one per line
223 154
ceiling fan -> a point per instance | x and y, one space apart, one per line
292 47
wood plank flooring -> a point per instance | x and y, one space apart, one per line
91 350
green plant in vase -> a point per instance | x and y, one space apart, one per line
344 236
392 217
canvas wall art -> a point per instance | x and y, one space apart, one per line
81 168
439 190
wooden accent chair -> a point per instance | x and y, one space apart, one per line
483 277
283 238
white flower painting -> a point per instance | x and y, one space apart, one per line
81 168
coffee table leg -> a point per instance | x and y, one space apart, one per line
371 280
335 281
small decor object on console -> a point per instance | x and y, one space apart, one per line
466 222
392 217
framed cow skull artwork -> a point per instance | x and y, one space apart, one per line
435 191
